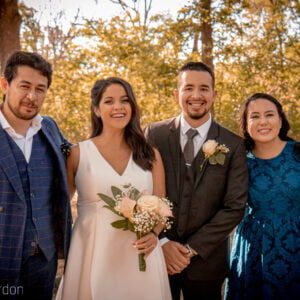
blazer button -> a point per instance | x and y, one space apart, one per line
1 208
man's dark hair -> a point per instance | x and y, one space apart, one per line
30 59
200 67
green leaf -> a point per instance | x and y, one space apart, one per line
220 158
116 191
130 226
109 201
112 209
120 224
212 160
134 193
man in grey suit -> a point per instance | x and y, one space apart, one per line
207 180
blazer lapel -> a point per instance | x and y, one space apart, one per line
9 166
54 145
175 150
212 134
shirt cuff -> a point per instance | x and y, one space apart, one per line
163 241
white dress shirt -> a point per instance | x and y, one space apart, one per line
24 142
199 139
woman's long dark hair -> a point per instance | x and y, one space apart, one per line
143 153
285 127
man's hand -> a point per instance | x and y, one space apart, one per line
176 257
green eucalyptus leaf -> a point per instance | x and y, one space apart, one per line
109 201
112 209
116 191
134 193
212 160
120 224
220 158
130 226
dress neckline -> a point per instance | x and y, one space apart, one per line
107 162
251 155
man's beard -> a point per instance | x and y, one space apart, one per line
198 115
21 116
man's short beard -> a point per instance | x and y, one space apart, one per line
198 116
19 116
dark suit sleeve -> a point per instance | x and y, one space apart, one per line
213 233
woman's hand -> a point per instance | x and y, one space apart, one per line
146 244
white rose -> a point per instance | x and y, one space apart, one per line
209 147
148 203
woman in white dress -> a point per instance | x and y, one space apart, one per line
103 261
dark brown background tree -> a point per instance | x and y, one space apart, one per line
10 21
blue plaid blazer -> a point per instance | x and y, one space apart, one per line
13 205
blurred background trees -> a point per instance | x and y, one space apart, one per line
253 46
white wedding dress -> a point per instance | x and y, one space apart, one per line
102 263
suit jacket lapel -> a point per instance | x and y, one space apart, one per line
53 144
212 134
175 150
9 166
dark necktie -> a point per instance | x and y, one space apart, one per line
188 150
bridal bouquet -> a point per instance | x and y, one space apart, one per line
141 212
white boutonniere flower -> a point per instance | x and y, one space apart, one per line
214 153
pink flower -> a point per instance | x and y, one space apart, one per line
126 207
145 192
164 210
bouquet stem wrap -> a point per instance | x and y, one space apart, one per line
142 262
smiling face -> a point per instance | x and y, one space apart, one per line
114 107
263 121
195 95
25 94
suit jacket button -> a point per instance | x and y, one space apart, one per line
1 208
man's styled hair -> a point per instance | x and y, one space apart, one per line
30 59
200 67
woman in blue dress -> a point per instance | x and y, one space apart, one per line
265 258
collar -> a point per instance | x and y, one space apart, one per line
202 129
36 124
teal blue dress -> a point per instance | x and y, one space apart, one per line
265 258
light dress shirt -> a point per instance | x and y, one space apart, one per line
24 142
198 140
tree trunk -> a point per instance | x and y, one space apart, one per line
206 33
195 44
10 21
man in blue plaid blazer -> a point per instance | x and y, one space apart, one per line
35 215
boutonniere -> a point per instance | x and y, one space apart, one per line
214 153
65 148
